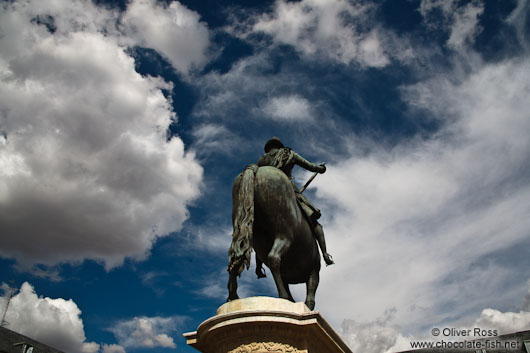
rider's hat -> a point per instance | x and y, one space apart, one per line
273 142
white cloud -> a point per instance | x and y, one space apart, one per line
407 224
292 108
381 335
147 332
326 28
250 97
214 285
504 322
155 280
61 16
51 274
224 95
465 26
460 21
172 30
55 322
370 337
112 348
214 138
86 171
213 238
415 221
214 290
519 19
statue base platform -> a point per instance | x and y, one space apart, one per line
265 325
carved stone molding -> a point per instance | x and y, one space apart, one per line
266 347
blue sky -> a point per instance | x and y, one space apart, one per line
124 123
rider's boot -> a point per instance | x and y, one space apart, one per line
319 234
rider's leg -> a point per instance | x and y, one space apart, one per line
260 272
309 208
319 234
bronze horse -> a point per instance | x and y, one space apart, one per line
266 217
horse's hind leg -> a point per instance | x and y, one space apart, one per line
279 248
311 288
286 286
232 286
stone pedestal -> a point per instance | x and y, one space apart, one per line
265 325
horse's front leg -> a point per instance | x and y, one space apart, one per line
279 249
232 286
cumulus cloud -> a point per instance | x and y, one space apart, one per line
288 108
86 168
55 322
112 348
504 322
326 28
370 337
173 30
147 332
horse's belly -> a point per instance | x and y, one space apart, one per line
296 265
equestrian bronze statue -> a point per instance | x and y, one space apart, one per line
271 216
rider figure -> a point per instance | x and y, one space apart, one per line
283 158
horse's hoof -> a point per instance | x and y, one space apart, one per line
310 304
229 299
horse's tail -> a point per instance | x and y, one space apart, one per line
242 220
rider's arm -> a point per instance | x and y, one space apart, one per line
263 161
304 163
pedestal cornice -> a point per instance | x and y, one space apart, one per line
264 324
